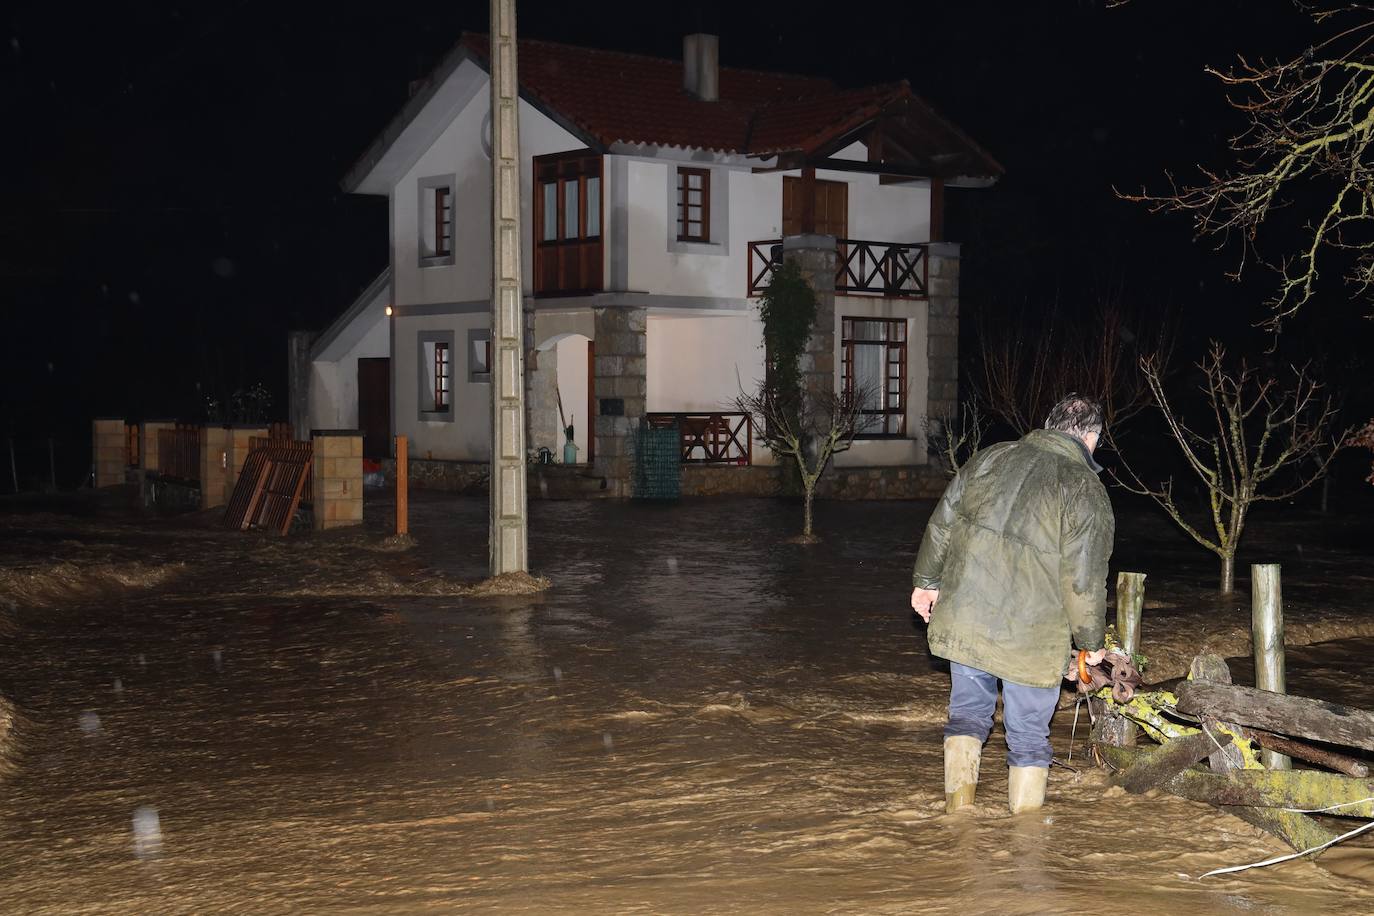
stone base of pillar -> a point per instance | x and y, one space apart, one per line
620 380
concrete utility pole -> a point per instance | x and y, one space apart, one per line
508 531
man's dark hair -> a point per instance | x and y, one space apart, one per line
1076 415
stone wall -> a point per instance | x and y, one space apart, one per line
452 476
730 480
919 482
816 256
942 328
621 388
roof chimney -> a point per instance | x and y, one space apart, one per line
701 66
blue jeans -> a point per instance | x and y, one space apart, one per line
1026 713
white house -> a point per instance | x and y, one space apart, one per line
656 195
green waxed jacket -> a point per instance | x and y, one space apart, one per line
1018 548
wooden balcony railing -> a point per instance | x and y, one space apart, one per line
893 270
710 438
178 453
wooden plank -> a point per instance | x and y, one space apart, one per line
1156 765
1315 720
1320 756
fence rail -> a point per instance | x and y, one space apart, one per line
710 438
893 270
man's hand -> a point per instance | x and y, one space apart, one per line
922 600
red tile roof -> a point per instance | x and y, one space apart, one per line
613 97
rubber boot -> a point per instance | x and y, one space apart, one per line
1026 788
962 756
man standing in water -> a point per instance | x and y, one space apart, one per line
1014 565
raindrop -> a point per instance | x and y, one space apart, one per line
672 565
491 805
142 660
147 832
607 740
89 723
14 43
557 673
133 296
118 685
223 267
218 658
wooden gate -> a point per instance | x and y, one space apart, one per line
274 478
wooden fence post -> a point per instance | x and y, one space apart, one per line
402 486
1266 618
1130 600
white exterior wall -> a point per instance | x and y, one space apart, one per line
697 364
572 387
877 212
890 452
334 383
459 152
467 437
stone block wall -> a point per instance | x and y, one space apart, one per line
108 451
541 393
337 478
816 256
942 342
431 474
620 374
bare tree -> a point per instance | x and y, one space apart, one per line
1363 438
1028 365
808 428
1258 431
1309 123
956 436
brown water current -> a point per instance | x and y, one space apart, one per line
695 718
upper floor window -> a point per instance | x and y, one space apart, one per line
436 220
873 364
693 205
567 223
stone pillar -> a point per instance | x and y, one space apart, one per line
508 536
620 380
298 382
214 466
338 477
238 444
147 443
108 451
541 393
942 331
816 256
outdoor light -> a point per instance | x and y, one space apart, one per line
388 311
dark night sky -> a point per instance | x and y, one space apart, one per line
169 198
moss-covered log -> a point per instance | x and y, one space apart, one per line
1158 764
1300 717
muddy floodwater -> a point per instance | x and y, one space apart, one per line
695 718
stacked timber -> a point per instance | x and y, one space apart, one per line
1210 719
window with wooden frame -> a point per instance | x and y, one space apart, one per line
873 367
443 375
436 220
567 223
693 205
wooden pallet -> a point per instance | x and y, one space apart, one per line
270 487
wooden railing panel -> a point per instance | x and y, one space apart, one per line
178 453
893 270
710 438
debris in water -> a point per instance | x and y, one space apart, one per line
89 723
147 832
